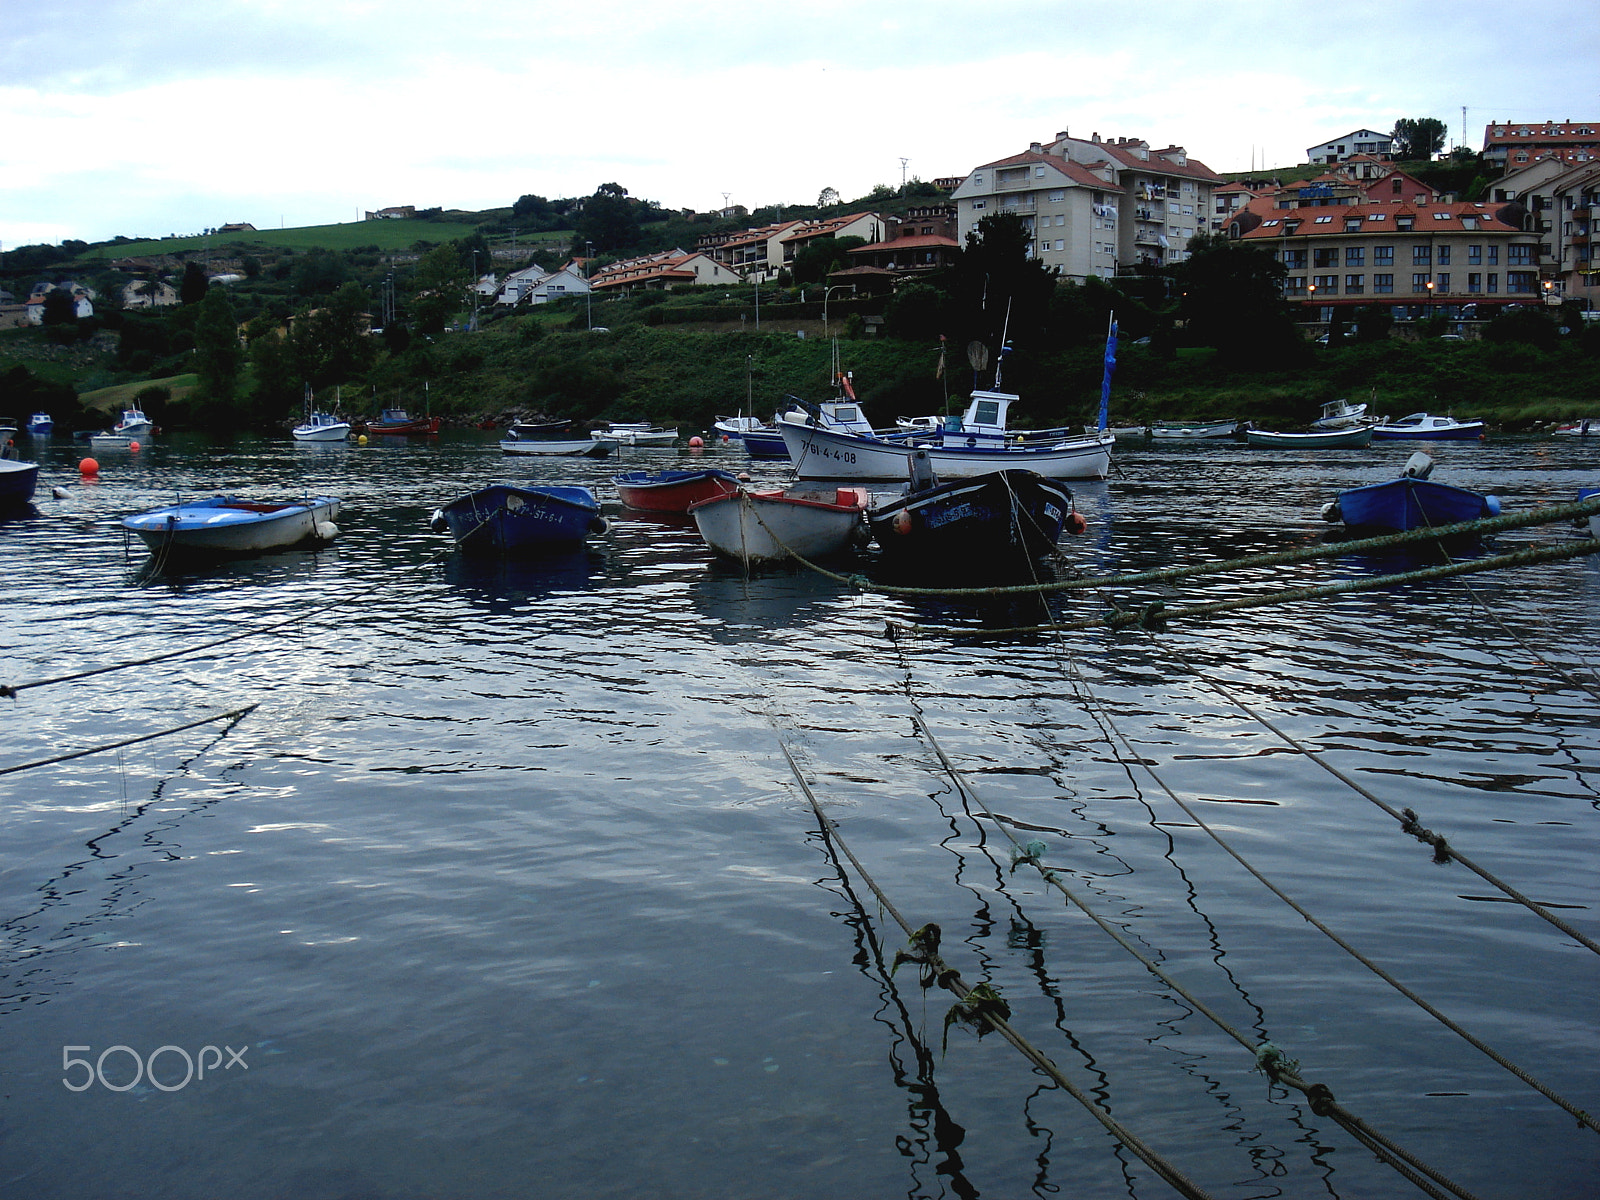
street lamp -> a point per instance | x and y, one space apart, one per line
1429 286
588 273
838 287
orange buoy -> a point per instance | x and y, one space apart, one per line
88 467
1075 523
133 446
696 443
902 522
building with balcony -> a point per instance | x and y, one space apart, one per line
1421 255
663 271
1509 145
1093 207
1368 142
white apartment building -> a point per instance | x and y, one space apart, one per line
1093 207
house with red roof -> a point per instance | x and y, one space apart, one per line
1425 254
921 241
664 271
1093 207
1513 144
1364 143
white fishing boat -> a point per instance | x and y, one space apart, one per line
1341 414
322 427
974 444
635 433
768 526
133 423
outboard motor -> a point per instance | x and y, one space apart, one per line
922 475
1418 466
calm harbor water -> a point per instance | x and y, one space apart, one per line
504 888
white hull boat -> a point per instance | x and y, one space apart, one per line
1341 414
974 444
133 424
558 447
1188 431
631 433
226 525
322 427
769 526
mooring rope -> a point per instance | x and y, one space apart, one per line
1270 1059
235 714
1156 614
925 947
1551 514
1443 851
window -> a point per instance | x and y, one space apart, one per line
1377 216
1441 216
1324 220
977 204
1474 282
1494 255
1395 185
1521 281
1494 283
1295 285
1325 257
1328 285
1057 196
1421 256
1383 256
1444 256
1295 260
1353 285
1419 282
1352 225
1038 172
1383 283
1355 256
1519 256
1444 282
1474 255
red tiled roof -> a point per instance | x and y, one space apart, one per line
1427 218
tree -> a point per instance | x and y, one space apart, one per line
218 356
330 343
998 290
441 284
59 308
1418 137
1231 297
608 219
195 284
822 256
827 198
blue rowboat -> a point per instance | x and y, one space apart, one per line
503 519
226 525
1411 502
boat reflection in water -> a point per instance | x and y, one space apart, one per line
507 584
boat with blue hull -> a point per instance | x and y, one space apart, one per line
505 519
1412 501
41 425
228 525
17 483
1427 427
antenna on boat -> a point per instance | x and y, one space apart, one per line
1000 359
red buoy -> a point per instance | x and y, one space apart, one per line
696 443
1075 523
88 468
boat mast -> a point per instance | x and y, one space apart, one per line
1111 365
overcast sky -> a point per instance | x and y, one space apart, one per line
138 118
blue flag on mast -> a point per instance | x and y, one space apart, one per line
1105 381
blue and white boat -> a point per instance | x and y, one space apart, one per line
17 483
41 424
974 444
133 423
224 525
1411 502
505 519
1426 426
322 427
